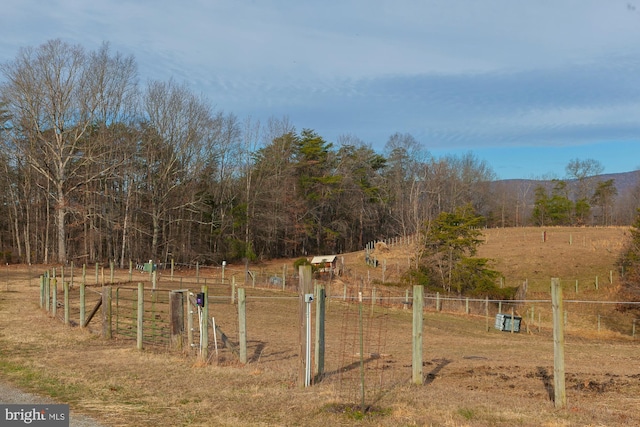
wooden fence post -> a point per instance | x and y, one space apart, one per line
42 291
204 345
560 395
486 312
140 317
54 296
373 299
304 287
66 302
361 340
418 318
533 317
513 320
47 292
189 322
82 304
320 316
233 289
242 324
384 269
107 298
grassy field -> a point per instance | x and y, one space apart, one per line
471 377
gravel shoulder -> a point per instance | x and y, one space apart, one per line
12 395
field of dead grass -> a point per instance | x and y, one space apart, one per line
472 377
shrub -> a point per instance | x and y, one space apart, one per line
300 261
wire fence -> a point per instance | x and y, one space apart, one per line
368 327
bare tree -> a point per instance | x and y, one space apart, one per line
176 126
54 101
405 156
580 170
250 141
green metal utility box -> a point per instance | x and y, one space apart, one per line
504 321
149 267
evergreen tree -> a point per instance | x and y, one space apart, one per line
450 243
629 264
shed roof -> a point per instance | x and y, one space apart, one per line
323 259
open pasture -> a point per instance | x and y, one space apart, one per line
471 377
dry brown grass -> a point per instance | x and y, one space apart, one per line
568 253
472 377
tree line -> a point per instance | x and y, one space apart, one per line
97 166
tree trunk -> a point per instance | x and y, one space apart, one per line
61 211
156 235
125 225
47 228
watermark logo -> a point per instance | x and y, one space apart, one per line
34 415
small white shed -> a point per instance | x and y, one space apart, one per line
325 263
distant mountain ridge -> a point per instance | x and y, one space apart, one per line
623 181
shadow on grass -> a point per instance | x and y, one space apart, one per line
546 381
440 365
347 368
257 352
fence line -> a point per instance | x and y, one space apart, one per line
357 338
157 320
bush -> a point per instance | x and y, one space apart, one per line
300 261
472 278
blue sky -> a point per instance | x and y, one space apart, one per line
525 85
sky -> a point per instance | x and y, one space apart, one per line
526 86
